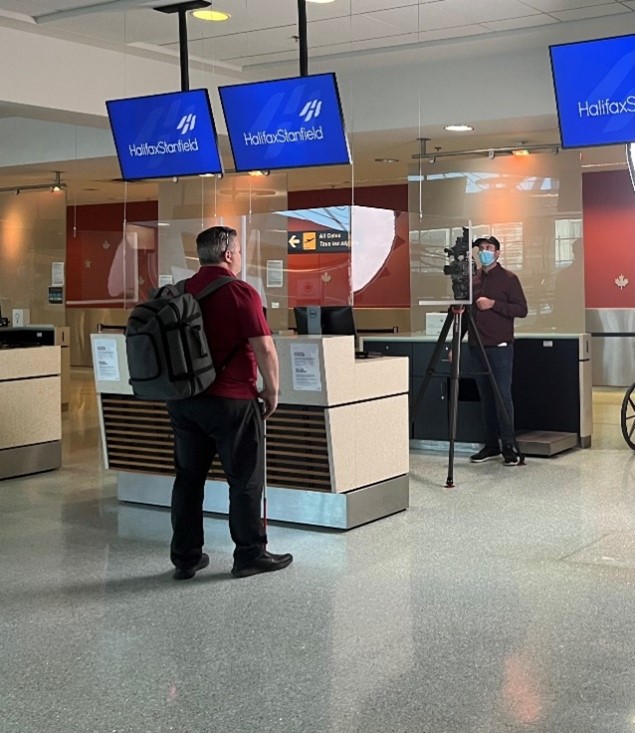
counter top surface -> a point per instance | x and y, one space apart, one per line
421 336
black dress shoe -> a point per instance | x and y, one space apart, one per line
187 573
265 563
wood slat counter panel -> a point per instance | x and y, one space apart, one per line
139 438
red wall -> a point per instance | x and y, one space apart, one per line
93 238
608 205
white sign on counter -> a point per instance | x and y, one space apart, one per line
305 367
106 362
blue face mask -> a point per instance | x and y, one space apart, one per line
487 257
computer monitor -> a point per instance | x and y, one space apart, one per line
338 320
335 320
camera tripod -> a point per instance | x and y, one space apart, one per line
454 321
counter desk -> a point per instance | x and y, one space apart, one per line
30 410
551 386
337 446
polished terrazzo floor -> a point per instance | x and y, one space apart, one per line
506 604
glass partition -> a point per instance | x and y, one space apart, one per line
532 204
33 254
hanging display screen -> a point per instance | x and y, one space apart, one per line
285 123
165 135
594 82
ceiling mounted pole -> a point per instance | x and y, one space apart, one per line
183 51
302 36
181 9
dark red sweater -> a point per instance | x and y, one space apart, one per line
496 325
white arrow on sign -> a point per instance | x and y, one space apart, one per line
294 241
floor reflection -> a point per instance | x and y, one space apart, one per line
502 605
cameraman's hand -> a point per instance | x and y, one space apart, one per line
484 304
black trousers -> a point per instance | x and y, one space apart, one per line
204 426
501 360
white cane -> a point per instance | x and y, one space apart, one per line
264 488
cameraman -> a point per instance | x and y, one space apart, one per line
498 298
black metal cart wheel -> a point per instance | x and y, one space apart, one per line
628 416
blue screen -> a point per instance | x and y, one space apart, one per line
165 135
286 123
595 91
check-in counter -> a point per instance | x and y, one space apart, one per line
30 409
337 446
551 385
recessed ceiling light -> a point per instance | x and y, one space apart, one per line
520 151
216 16
386 160
458 128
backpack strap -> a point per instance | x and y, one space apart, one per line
213 287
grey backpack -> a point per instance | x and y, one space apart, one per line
167 349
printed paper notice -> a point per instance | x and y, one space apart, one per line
305 365
275 273
57 273
106 363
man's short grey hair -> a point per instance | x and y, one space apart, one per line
212 243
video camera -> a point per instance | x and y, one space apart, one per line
459 266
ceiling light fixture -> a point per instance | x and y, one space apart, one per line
458 128
214 16
259 173
56 186
521 148
386 160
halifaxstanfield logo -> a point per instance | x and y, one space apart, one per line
311 110
187 123
166 147
289 133
607 107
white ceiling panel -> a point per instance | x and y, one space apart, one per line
590 12
459 31
231 48
530 21
458 12
386 24
550 6
365 45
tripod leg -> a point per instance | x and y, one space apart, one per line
454 393
434 360
502 410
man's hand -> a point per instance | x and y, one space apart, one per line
484 304
270 398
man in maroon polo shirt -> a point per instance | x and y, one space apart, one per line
498 298
227 419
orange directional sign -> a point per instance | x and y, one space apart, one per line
325 240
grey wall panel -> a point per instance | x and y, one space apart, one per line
613 335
